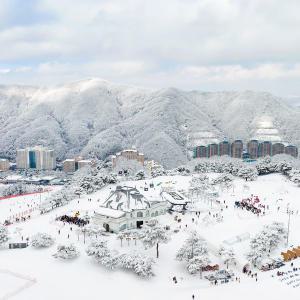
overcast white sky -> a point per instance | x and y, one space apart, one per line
191 44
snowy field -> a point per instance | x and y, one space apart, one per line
83 278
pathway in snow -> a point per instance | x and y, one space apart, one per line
13 283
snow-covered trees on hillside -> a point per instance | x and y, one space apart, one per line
102 254
85 181
181 170
138 263
195 252
3 234
17 189
42 240
282 163
248 173
152 234
218 164
265 242
66 252
227 255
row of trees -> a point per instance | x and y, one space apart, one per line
18 189
138 263
152 235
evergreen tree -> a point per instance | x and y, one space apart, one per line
153 234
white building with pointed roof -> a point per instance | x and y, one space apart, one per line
127 208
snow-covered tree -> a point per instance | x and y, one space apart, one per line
195 252
153 234
42 240
200 184
227 255
92 230
85 181
66 252
266 241
248 173
265 166
294 176
138 263
18 189
140 175
194 245
106 257
197 263
3 234
224 179
160 171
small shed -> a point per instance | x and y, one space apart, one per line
19 245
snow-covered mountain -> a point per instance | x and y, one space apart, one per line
96 117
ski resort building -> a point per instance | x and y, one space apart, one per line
4 164
237 149
212 150
254 149
40 158
291 150
74 164
129 154
278 148
200 152
127 208
224 148
264 149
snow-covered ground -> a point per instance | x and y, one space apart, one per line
84 278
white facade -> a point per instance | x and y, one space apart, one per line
83 163
4 164
38 157
114 220
22 159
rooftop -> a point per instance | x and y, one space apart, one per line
109 212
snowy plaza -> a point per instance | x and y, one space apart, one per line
217 220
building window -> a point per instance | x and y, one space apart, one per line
139 214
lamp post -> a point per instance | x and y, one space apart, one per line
289 212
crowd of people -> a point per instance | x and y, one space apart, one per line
251 204
73 220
